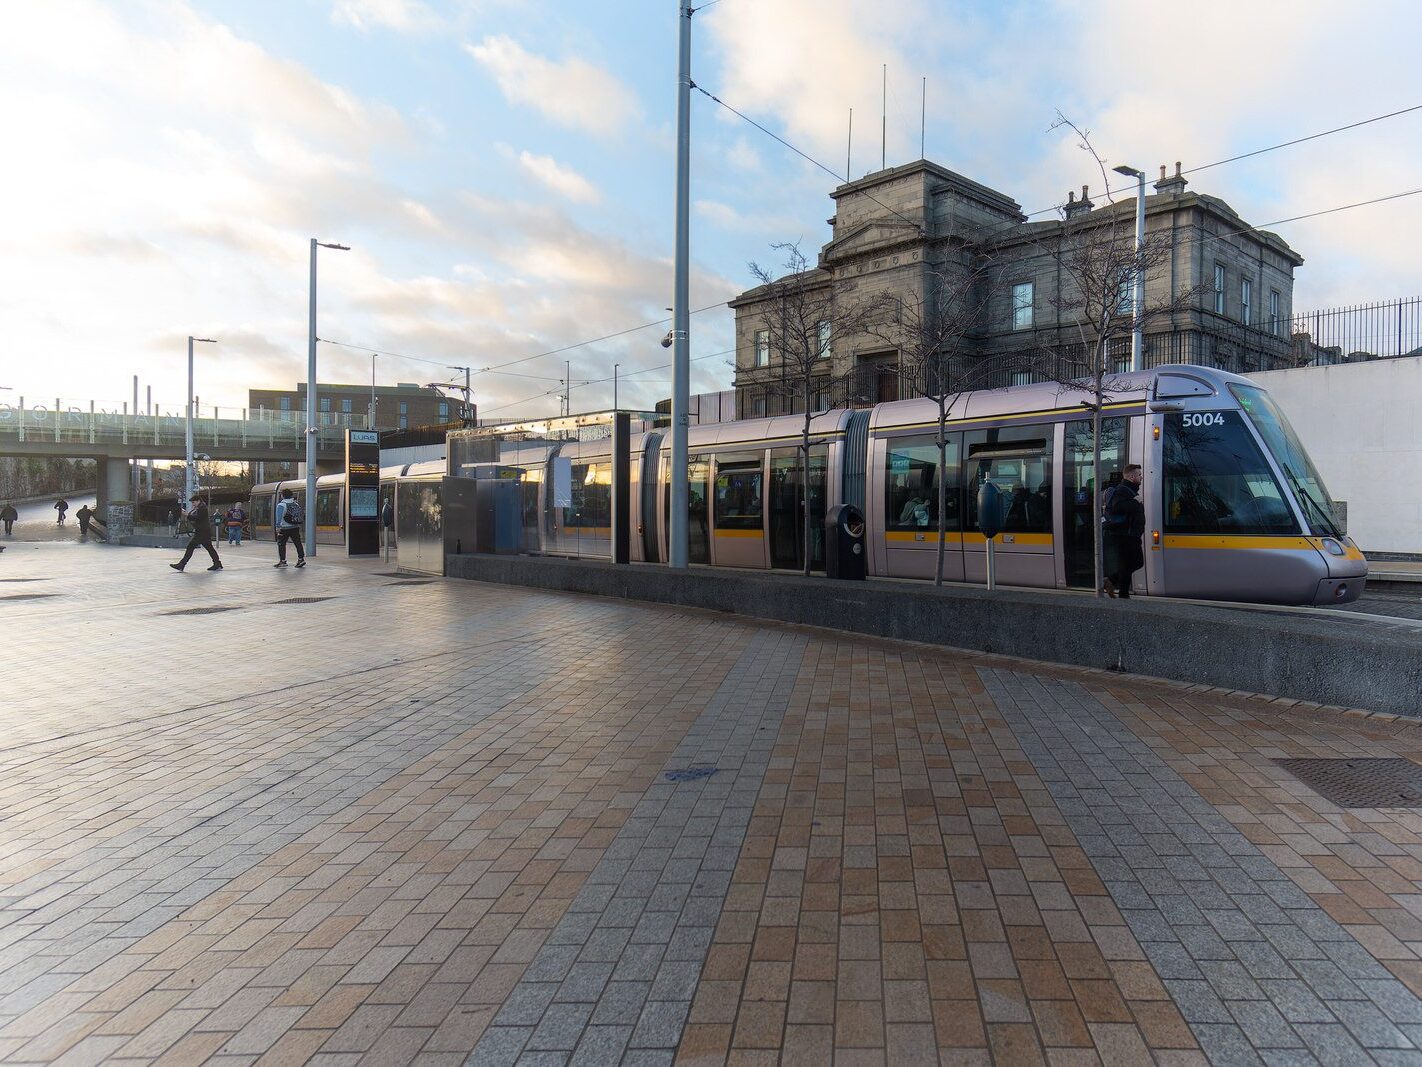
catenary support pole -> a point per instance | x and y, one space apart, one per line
681 318
1138 291
310 533
189 481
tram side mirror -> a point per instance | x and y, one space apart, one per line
990 507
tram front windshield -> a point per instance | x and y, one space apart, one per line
1303 477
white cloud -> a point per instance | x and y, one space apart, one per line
402 16
564 181
743 156
571 92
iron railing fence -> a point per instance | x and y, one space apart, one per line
1379 330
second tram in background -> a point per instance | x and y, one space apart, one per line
331 499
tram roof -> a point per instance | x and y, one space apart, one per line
1045 397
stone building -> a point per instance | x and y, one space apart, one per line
894 231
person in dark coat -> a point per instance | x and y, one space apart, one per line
1125 527
84 515
8 515
201 519
61 505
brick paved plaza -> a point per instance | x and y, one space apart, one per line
440 822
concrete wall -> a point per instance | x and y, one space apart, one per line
1307 656
1360 423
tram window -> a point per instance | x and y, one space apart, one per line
328 507
261 511
1217 479
911 483
1018 459
592 496
738 491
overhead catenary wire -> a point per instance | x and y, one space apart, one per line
536 355
803 155
1260 152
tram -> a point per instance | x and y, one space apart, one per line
1235 509
330 500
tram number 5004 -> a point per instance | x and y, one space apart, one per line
1203 418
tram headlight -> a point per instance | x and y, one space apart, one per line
1333 548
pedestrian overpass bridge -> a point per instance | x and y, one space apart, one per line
114 440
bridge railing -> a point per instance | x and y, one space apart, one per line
58 425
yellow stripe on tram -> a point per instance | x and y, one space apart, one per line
1263 541
740 533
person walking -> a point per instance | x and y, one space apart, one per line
8 515
172 522
288 528
235 518
201 519
1125 526
83 515
61 505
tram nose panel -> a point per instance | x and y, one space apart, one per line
1339 590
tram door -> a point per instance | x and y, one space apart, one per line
698 533
786 525
1081 500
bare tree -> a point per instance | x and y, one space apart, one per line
1099 263
800 318
936 334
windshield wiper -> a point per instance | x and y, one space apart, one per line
1330 527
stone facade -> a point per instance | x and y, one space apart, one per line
894 230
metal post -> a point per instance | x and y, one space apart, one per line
1138 297
615 368
310 537
148 475
189 482
991 565
467 417
681 319
371 424
22 420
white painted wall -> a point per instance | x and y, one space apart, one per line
1362 424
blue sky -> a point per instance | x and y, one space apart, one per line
503 170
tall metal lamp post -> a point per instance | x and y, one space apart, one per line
312 427
1138 289
190 470
681 316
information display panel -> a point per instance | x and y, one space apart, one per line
362 492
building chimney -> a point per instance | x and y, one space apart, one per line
1075 207
1172 186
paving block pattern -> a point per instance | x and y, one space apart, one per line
453 823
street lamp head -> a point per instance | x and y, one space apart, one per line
204 340
1129 172
332 244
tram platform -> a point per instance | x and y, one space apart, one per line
345 815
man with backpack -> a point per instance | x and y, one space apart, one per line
1123 520
288 528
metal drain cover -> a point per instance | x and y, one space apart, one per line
304 600
1361 783
202 611
416 581
24 579
27 596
